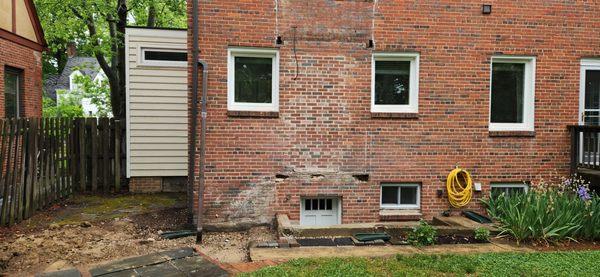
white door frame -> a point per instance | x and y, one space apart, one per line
586 64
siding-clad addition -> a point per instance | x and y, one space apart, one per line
156 106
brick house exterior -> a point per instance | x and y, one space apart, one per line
326 141
21 45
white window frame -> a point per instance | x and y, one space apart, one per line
413 96
144 62
528 94
232 53
401 206
72 85
524 186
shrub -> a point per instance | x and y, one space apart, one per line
424 234
482 234
548 213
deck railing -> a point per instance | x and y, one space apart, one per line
585 147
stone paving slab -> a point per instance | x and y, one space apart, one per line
284 254
129 263
173 263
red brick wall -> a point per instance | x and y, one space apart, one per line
325 133
30 61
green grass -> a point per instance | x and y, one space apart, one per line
583 263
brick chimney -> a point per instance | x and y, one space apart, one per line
71 50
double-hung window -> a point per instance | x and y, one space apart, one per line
253 80
395 83
512 94
400 196
13 86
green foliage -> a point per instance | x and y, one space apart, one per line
582 263
482 234
424 234
68 108
548 214
97 92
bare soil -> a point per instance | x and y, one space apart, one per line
88 230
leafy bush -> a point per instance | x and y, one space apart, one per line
482 234
424 234
548 213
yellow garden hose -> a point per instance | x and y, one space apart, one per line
460 188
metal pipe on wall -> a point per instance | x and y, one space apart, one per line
194 124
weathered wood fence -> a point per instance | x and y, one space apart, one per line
43 160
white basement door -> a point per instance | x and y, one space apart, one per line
319 212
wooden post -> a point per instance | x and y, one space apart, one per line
94 160
117 155
105 137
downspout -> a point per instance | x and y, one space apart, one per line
194 124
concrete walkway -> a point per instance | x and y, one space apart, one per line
284 254
179 262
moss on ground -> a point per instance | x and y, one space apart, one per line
82 208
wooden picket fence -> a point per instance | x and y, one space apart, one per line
43 160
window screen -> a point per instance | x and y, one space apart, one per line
392 82
507 92
253 80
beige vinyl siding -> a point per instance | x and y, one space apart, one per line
156 107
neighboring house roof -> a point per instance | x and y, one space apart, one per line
21 24
87 66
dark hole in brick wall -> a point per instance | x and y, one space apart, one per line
361 177
281 176
174 184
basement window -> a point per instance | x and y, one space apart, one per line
163 57
400 196
512 94
253 80
508 189
395 83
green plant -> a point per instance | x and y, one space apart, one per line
548 214
424 234
482 234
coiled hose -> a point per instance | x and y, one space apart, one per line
460 188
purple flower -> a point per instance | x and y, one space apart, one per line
583 193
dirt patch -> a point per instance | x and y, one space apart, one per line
232 247
457 239
92 229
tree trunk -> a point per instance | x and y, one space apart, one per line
121 59
151 16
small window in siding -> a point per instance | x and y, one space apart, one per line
164 57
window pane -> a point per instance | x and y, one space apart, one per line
389 195
392 82
592 89
321 204
508 191
165 56
591 118
11 91
253 78
315 204
329 204
408 195
514 190
307 205
507 92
